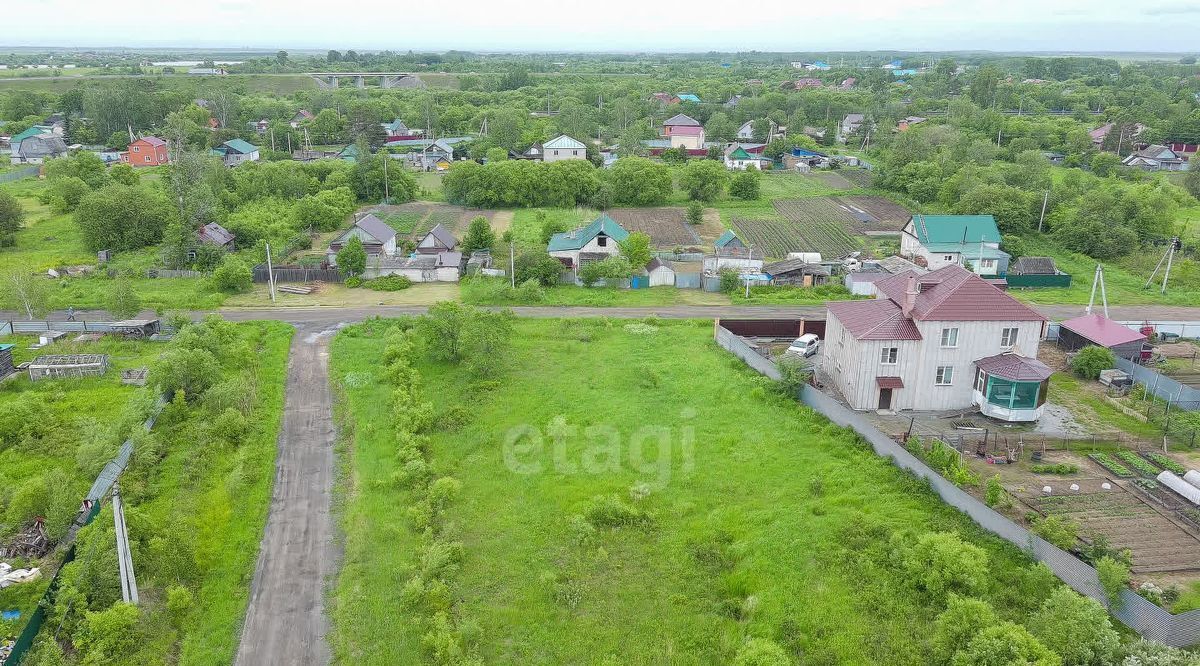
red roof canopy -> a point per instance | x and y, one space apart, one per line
1014 367
889 382
1102 330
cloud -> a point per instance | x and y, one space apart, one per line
1172 10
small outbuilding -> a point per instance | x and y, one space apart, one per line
1093 329
68 365
136 328
661 272
1036 272
796 272
438 240
862 283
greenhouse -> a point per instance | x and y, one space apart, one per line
1011 387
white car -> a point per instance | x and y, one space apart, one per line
805 345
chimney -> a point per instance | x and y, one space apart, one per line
910 297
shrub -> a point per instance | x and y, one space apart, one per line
730 282
941 562
352 258
1005 644
190 371
233 275
745 185
1114 576
388 283
994 492
122 301
538 266
954 628
1075 627
1089 361
1057 530
695 212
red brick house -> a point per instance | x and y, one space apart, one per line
146 151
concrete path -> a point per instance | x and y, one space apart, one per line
286 621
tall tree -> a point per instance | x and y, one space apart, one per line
21 289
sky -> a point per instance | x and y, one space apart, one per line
616 25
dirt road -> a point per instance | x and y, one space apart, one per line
286 621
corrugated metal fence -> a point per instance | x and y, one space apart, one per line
19 326
1159 384
27 172
1148 619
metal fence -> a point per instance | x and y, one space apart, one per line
1146 618
175 273
18 326
688 280
678 256
1158 384
27 172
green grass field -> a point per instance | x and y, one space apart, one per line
753 516
483 292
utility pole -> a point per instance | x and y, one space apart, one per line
1098 279
512 266
386 194
1169 257
1045 200
270 273
272 140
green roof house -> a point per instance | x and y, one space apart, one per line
941 240
598 240
16 139
235 151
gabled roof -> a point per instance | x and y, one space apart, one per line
304 114
1102 330
1033 266
688 97
214 233
878 319
681 119
727 238
792 265
563 142
740 154
442 235
953 293
152 140
576 239
1015 367
658 263
21 136
955 229
240 146
374 227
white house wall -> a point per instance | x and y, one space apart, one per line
853 365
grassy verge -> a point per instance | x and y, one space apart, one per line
671 506
495 292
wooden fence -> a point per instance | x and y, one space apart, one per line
298 274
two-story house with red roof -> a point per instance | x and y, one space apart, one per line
944 340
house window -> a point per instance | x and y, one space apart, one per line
949 337
887 355
556 152
987 263
1008 338
136 149
980 381
948 257
147 158
945 375
602 241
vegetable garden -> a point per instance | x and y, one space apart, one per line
779 237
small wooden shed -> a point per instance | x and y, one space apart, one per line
136 328
661 272
6 362
68 365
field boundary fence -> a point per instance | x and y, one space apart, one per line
175 273
1146 618
15 326
27 172
1159 384
298 274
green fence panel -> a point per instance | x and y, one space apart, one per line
1036 281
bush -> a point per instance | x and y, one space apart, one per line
233 275
704 180
191 371
122 301
1089 361
1058 531
537 266
388 283
1075 627
745 185
695 212
352 258
610 270
761 652
730 282
1005 644
611 511
941 562
994 492
1114 576
959 623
